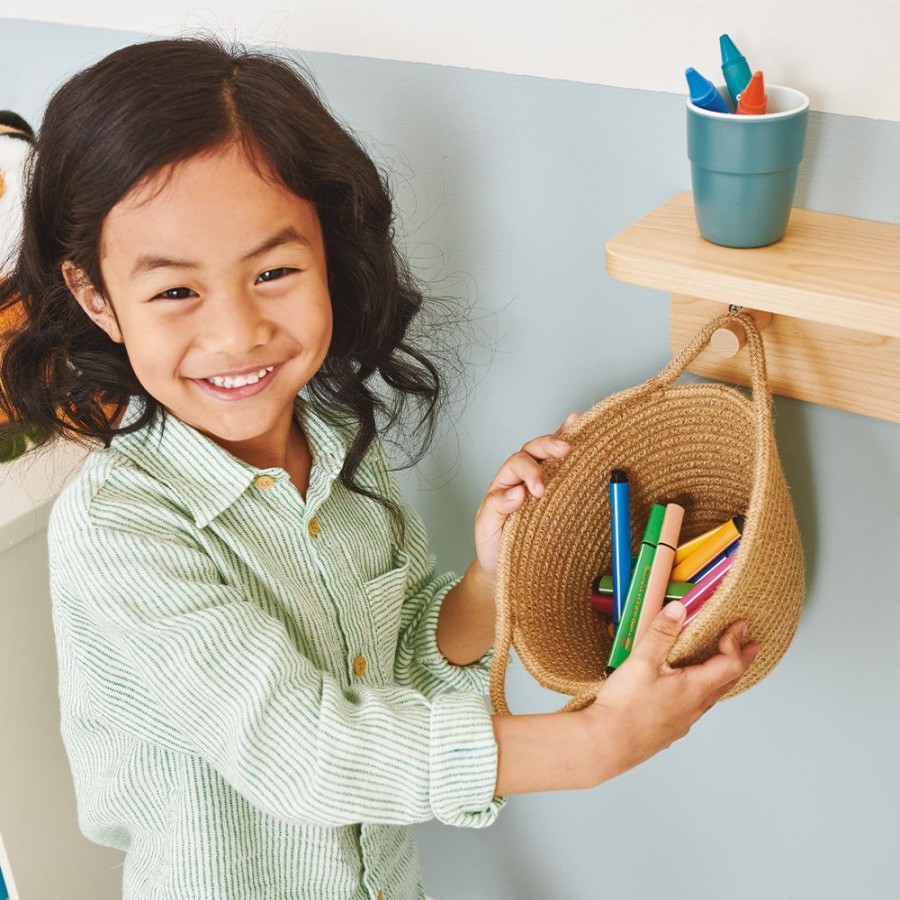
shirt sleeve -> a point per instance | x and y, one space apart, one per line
173 655
419 662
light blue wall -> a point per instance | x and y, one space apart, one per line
509 188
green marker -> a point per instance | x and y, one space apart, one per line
674 591
637 587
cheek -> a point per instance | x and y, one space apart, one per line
321 324
153 351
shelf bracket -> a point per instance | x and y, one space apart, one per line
826 298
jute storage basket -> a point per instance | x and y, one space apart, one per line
708 447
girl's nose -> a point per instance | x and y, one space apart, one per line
235 324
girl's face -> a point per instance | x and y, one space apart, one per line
219 273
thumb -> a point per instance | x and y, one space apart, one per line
655 645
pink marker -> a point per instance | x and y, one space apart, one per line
694 599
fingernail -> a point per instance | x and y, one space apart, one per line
560 445
742 632
514 492
674 610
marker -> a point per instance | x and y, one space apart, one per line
752 100
661 568
703 590
688 547
675 590
603 604
707 568
624 638
621 539
734 67
703 92
690 566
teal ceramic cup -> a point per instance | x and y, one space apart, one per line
744 168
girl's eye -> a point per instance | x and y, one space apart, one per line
181 293
274 274
172 292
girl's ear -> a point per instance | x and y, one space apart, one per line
91 300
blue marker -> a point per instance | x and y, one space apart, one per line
704 93
621 540
734 67
714 562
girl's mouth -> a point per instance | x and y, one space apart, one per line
238 392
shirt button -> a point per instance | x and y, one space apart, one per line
314 527
264 481
360 665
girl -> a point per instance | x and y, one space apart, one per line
263 680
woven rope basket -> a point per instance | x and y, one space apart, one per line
708 447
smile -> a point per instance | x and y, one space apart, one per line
237 387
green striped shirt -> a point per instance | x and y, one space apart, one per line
253 702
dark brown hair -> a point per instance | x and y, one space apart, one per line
144 108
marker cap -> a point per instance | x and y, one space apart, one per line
671 527
654 524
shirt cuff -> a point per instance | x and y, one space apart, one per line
474 676
464 759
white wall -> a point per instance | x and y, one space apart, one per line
48 857
840 53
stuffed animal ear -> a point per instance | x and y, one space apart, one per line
15 122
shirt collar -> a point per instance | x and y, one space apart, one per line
207 477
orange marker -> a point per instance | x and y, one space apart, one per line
708 550
683 551
661 568
752 101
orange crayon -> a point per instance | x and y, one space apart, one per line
752 101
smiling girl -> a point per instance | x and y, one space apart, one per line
263 679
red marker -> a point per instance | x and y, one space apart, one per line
752 101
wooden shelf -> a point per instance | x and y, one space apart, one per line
832 285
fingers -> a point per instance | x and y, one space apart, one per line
570 420
518 476
524 467
719 674
655 645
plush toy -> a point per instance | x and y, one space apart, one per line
16 140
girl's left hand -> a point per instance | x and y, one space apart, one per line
520 474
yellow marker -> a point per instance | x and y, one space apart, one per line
688 547
709 549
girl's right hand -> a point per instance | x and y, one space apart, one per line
646 704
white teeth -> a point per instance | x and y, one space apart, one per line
238 380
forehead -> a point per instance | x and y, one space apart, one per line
209 199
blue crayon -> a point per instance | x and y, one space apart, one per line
621 540
734 67
704 93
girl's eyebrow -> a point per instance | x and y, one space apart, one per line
287 235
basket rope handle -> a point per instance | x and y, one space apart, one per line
762 395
